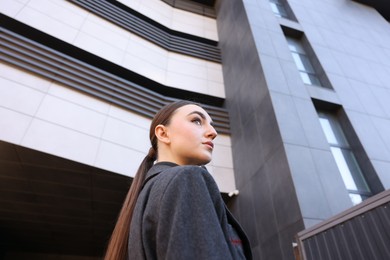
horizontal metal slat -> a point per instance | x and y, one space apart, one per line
59 70
51 64
150 32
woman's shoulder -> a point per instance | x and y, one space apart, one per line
178 175
187 183
185 172
182 185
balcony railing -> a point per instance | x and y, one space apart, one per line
359 233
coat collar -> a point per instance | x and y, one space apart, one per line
156 169
159 167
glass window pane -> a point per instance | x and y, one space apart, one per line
310 79
339 138
295 45
343 168
356 198
292 47
298 61
357 175
330 136
303 62
305 78
275 9
306 63
282 10
314 80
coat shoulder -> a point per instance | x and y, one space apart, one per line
182 173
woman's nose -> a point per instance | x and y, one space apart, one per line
211 133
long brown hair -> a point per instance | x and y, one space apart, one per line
117 246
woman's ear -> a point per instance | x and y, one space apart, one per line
161 133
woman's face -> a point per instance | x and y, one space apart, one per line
190 134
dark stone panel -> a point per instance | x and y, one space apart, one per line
239 159
267 206
271 249
287 237
268 128
263 205
282 189
233 205
253 157
240 19
247 213
257 139
256 253
235 68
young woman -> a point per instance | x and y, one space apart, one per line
173 209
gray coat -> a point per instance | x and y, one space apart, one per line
180 214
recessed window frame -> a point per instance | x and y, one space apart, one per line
351 173
304 57
282 9
344 124
278 8
303 63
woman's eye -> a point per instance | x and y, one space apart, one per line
197 121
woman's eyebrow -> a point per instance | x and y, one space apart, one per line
201 115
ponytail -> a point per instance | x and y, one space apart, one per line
117 246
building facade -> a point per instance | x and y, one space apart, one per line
298 91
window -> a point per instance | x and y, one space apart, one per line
351 173
302 61
278 8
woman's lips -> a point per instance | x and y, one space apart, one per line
210 144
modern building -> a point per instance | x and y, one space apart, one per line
299 91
